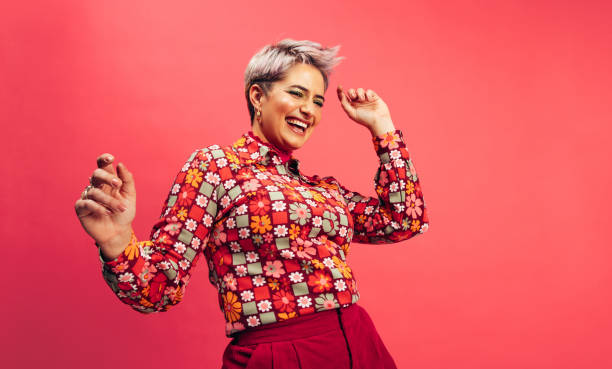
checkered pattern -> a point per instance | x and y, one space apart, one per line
275 240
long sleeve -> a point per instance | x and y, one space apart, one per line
151 275
399 211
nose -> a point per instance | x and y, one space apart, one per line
307 109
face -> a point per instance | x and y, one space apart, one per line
291 109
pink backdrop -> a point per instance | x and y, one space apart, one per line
506 109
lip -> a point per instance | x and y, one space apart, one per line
307 123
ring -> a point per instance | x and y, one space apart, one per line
84 193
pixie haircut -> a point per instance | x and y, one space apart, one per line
271 63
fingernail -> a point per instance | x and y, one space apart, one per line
108 159
115 182
122 207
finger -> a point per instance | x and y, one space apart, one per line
128 187
105 161
346 105
101 177
105 200
352 94
361 94
370 95
86 207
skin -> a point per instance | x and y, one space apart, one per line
110 207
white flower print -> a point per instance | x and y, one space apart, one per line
225 201
163 265
328 262
395 154
212 178
251 257
230 223
259 280
195 243
241 270
242 209
185 167
339 209
271 188
126 277
368 210
304 302
229 184
235 247
264 306
207 220
287 254
393 187
311 203
184 264
296 277
191 225
176 188
202 201
244 233
317 221
261 176
180 247
221 162
253 321
278 206
340 285
247 295
281 230
399 163
342 231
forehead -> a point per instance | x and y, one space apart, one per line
305 75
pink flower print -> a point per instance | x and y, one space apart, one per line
303 248
414 208
253 321
173 227
251 185
230 281
383 179
274 268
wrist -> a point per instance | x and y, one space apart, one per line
381 126
111 249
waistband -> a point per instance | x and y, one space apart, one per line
295 328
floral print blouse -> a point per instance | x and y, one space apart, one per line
275 240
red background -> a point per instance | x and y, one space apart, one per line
505 106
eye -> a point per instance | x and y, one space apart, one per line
320 103
296 93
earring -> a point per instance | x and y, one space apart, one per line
259 116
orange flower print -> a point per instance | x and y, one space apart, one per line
320 281
342 267
390 140
294 231
231 306
261 224
416 225
194 177
414 208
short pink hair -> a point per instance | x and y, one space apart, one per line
272 62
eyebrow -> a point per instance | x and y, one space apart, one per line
306 90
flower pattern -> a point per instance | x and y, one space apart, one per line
275 240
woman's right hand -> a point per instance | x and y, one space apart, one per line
109 207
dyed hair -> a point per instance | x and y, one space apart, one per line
271 63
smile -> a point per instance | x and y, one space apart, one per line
297 125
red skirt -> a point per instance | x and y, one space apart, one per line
340 339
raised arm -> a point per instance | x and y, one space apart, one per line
151 275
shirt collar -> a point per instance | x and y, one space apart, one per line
251 149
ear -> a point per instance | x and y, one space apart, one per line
257 96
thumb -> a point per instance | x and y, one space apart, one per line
346 105
128 188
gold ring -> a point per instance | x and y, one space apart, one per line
84 193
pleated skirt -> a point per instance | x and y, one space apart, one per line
341 339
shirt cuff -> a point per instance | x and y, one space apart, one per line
121 258
388 141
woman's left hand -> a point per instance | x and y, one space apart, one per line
366 108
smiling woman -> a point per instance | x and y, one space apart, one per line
275 239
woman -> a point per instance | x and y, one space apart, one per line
275 239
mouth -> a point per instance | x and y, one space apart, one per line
298 126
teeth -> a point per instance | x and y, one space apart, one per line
297 123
